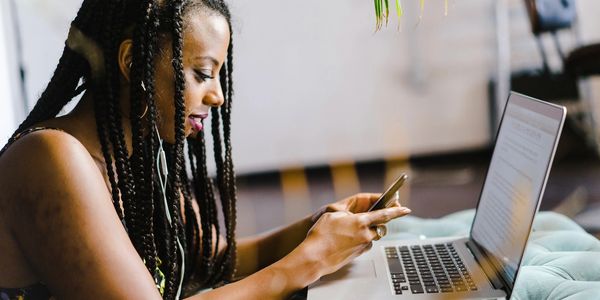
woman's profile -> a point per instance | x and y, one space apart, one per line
113 199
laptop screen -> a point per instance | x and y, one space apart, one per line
516 179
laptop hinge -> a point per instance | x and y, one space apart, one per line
488 268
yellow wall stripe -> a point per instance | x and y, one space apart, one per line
345 180
296 194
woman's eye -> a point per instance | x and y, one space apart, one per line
201 76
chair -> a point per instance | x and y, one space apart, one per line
582 62
550 16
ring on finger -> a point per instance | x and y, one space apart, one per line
381 231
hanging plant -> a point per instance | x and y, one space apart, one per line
382 11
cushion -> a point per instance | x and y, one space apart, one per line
562 261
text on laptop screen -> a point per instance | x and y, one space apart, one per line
515 179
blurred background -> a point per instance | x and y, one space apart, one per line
326 107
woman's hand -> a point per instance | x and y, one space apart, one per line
340 236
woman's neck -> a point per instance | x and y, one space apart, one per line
82 122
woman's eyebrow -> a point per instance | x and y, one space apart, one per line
209 58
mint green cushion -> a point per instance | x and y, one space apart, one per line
562 261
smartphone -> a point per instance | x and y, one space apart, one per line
387 198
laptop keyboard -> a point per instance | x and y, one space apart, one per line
428 269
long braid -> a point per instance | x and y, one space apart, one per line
231 186
71 68
117 136
225 195
206 198
101 110
143 65
195 248
192 229
226 176
102 129
177 154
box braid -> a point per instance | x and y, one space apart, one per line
142 70
177 149
133 179
225 175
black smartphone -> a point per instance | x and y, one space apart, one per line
387 198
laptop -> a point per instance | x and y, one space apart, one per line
485 264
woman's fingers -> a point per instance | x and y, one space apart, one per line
395 204
383 216
367 248
362 202
377 232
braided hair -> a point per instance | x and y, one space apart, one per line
133 179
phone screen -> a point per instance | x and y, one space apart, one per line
387 198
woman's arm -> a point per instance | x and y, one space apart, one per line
257 252
334 240
277 281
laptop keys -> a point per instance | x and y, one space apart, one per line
416 289
428 269
396 270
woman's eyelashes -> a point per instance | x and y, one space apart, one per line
202 76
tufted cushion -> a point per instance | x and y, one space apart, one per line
562 261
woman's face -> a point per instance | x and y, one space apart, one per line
205 43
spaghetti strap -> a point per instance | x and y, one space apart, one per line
24 133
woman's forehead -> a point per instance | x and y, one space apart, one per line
206 28
207 35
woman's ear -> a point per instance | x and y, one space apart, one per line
125 58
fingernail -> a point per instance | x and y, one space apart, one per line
406 210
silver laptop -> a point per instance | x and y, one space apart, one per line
485 264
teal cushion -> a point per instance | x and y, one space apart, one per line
562 261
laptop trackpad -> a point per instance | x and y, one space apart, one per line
356 269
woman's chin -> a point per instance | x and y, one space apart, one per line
192 134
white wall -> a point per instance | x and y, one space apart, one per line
45 25
316 84
9 95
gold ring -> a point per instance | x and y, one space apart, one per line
381 231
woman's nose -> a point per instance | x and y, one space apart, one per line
214 97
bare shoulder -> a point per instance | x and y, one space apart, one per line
63 220
42 161
48 148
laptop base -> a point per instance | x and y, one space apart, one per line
369 277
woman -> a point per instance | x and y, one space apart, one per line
93 207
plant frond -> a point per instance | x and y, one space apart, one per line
382 11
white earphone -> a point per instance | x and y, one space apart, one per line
163 174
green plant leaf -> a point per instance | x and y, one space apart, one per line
377 14
399 12
399 9
382 10
387 11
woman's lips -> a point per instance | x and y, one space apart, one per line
196 121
